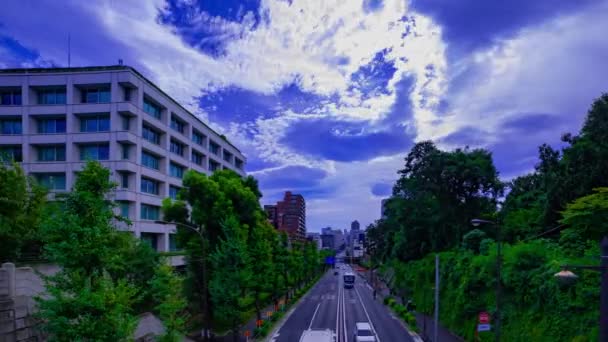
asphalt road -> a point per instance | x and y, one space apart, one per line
329 306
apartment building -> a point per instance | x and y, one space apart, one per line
289 215
52 120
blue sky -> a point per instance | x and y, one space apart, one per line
326 97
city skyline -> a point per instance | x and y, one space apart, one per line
327 100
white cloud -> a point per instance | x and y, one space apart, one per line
553 68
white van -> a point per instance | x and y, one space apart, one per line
311 335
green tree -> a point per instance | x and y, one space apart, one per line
21 206
86 302
204 203
263 268
231 263
433 201
167 288
588 215
87 308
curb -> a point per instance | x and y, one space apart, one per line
279 324
414 335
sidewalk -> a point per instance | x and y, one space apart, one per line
250 326
425 322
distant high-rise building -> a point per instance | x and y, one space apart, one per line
289 215
355 225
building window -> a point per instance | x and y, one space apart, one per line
51 153
126 123
149 186
173 191
95 123
10 97
173 243
10 126
177 124
151 135
213 165
176 170
150 239
95 95
51 181
124 208
238 163
198 138
126 149
228 156
149 212
127 91
150 160
177 147
152 109
51 96
11 153
124 180
214 148
197 158
51 125
99 151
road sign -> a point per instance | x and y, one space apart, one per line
247 333
484 318
330 260
484 327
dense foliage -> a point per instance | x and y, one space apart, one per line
237 263
553 216
22 202
104 273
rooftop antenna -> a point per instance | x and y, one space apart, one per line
69 56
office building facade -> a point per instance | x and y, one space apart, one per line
53 120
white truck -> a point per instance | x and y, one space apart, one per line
316 335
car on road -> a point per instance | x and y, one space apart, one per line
315 335
336 272
364 332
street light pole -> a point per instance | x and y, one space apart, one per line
200 232
477 222
604 291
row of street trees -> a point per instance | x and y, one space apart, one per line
552 216
237 262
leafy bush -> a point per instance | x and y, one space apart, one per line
534 306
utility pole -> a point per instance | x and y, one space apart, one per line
436 325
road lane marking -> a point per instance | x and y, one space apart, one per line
345 336
313 316
367 315
338 316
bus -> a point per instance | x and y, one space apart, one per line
349 280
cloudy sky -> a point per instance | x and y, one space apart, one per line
326 97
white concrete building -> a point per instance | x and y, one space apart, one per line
52 120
